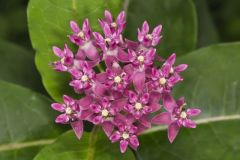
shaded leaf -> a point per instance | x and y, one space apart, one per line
178 18
207 31
212 83
26 122
17 66
90 147
49 25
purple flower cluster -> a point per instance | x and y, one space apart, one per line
122 87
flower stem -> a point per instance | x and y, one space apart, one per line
92 141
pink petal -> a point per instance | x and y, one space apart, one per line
128 69
105 101
145 121
107 128
75 73
166 69
131 55
60 67
145 28
122 55
109 60
85 114
173 130
151 54
108 16
180 68
58 107
154 107
86 27
123 146
77 127
99 89
121 18
174 79
115 137
138 81
74 27
132 97
68 100
62 118
131 44
155 74
155 97
96 108
134 142
180 101
107 30
80 54
171 59
168 102
101 77
140 36
145 98
58 52
155 41
91 51
68 52
97 120
189 123
157 30
162 118
119 104
193 111
85 102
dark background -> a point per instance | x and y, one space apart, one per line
218 21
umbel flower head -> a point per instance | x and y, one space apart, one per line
122 90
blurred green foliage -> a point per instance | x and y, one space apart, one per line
13 22
226 16
219 21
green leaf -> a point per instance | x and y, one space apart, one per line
49 25
212 83
17 66
211 141
178 18
92 146
26 122
207 32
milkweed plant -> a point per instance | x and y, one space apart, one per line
124 89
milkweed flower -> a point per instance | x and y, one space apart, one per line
178 117
122 89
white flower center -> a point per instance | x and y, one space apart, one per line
140 58
138 106
125 135
68 110
105 113
81 34
114 25
183 115
162 81
84 78
115 65
171 70
117 79
149 36
62 60
108 40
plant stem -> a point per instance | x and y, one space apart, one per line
92 142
